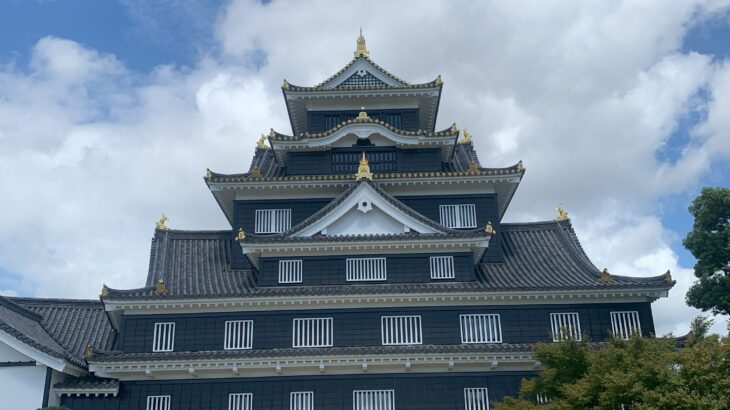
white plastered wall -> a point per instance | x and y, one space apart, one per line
21 387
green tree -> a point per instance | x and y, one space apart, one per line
641 373
709 242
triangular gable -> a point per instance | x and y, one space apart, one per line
361 70
367 210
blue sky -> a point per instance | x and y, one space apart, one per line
127 101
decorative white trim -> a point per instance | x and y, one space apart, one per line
88 392
61 365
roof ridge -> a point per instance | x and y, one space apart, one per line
19 309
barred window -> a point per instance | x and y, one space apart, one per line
316 332
238 334
542 399
476 398
394 120
625 324
272 220
158 402
565 326
330 121
401 330
301 400
163 339
442 267
458 216
373 400
240 401
366 269
481 328
290 271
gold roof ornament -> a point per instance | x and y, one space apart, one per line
489 229
363 115
160 287
261 143
467 137
668 276
439 80
605 276
454 130
241 235
160 224
104 291
285 85
256 173
88 351
562 213
363 171
208 174
361 50
520 167
473 168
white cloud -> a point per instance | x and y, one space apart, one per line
585 93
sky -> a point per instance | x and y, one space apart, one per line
111 111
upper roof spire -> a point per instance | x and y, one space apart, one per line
361 50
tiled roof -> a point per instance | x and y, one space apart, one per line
117 356
60 328
87 383
543 256
448 132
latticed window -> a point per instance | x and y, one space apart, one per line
366 269
272 220
290 271
625 324
238 334
163 339
480 328
362 79
301 400
394 120
373 400
158 403
476 398
565 326
315 332
442 267
401 330
542 399
458 216
380 160
240 401
330 121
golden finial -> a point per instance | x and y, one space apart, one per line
489 229
88 352
467 137
261 143
605 276
439 80
208 174
241 235
562 213
363 171
363 115
668 276
473 168
520 167
256 173
104 291
454 130
285 85
161 223
160 287
361 50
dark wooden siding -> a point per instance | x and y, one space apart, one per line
428 391
361 327
330 270
399 160
316 119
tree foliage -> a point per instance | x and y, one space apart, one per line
640 373
709 242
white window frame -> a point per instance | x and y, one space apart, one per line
565 325
458 216
476 398
272 221
366 269
158 402
480 328
312 332
301 400
401 330
373 399
442 267
625 323
240 401
290 271
541 399
163 337
238 335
